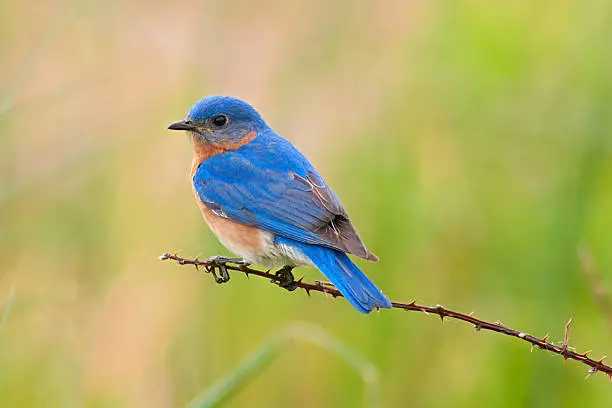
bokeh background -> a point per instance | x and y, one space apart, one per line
469 141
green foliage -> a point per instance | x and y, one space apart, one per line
270 350
6 309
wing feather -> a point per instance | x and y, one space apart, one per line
289 198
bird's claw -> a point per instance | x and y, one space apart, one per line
286 279
222 276
219 264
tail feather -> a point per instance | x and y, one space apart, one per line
347 277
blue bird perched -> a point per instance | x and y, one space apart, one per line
266 203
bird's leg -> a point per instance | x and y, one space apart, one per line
286 279
219 263
218 259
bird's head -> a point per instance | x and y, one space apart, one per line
222 121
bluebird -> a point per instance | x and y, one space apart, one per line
266 203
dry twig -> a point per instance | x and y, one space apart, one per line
564 350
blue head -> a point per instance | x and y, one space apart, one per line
221 120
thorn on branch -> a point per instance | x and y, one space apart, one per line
592 371
441 312
566 332
566 339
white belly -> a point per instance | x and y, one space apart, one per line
252 244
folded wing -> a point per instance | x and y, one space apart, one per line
287 197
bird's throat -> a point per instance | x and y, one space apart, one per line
203 149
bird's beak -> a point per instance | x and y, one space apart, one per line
182 125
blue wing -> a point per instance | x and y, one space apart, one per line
269 184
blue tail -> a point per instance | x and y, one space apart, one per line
347 277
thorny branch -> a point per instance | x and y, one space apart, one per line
563 350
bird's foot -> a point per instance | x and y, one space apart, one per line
219 264
286 279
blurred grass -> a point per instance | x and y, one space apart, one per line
270 350
6 308
468 141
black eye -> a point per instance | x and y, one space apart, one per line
219 120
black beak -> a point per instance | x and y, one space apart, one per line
182 125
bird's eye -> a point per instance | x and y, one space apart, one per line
219 120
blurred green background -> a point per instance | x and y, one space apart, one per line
469 141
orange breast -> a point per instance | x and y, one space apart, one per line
203 150
241 239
